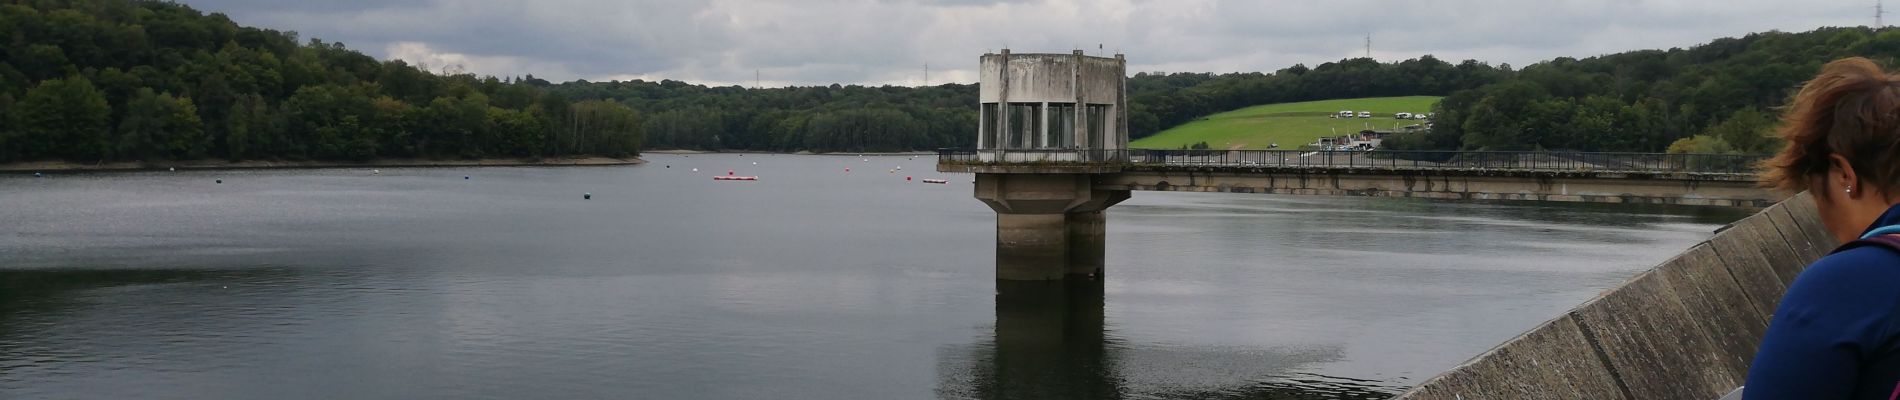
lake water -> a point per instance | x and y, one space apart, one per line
809 283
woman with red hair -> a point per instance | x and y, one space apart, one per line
1836 332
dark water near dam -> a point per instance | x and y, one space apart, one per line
810 283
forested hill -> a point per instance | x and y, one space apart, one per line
119 80
1724 92
853 118
87 80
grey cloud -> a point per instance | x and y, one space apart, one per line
887 41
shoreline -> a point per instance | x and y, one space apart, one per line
64 166
799 153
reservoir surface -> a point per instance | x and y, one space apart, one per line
812 282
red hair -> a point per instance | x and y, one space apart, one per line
1852 109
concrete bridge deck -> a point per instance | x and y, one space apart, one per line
1690 179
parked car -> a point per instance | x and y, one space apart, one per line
1344 114
1402 116
1365 114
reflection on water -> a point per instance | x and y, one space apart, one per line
1051 341
813 283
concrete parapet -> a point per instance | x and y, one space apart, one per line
1654 347
1809 219
1796 236
1719 304
1686 329
1553 361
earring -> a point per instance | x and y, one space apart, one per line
1850 189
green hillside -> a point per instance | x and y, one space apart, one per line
1288 124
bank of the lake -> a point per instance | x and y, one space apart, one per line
54 166
798 153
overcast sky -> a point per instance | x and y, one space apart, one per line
816 42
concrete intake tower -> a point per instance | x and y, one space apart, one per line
1048 124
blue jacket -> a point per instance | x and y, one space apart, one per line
1836 333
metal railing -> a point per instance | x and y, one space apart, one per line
1459 160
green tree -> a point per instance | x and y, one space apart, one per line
1748 130
66 118
160 126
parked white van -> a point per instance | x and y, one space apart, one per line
1344 114
1365 114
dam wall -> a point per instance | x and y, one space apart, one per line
1686 329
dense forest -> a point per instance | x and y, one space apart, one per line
1720 97
110 80
122 80
816 118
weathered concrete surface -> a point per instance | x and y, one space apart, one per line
1655 347
1755 240
1684 330
1553 361
1792 232
1041 80
1088 243
1449 184
1719 305
1048 226
1031 246
1029 168
1809 219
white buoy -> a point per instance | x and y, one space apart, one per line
900 168
375 172
695 169
38 175
171 169
755 163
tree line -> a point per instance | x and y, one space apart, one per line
849 118
121 80
1719 97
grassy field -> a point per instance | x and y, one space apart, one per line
1289 124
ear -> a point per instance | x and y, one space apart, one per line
1842 177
